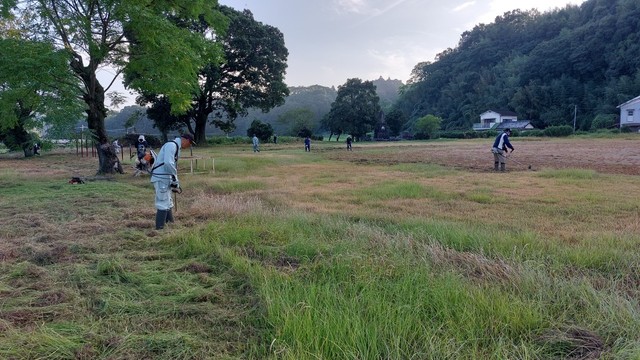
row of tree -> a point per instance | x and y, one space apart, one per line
193 62
196 63
578 61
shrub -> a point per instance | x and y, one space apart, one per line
531 133
492 133
558 131
604 121
427 127
452 134
226 140
470 134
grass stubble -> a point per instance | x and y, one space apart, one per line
376 253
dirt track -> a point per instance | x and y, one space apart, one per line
615 156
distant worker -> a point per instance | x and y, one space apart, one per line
275 138
141 147
116 146
256 144
500 148
349 141
36 149
307 144
164 177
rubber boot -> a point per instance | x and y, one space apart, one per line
161 218
169 216
502 166
495 166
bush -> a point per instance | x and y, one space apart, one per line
471 134
531 133
604 121
427 127
558 131
452 134
226 140
492 133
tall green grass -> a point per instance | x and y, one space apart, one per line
285 282
361 290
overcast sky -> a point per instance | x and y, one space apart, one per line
330 41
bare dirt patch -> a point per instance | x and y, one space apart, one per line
613 156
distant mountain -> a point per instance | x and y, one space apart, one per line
387 90
131 119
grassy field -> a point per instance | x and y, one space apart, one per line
377 253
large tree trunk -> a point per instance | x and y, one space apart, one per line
109 159
200 135
96 113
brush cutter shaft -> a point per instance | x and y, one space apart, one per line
518 162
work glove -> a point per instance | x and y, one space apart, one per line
175 187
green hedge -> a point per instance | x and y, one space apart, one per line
558 131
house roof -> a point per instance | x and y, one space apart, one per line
501 112
630 101
519 125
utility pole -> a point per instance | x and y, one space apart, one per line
575 112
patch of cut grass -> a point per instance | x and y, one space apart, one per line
398 190
425 170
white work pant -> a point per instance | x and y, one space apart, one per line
163 195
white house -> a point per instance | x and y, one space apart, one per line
489 119
630 113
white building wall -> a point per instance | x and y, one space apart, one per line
630 113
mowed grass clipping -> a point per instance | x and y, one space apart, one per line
330 255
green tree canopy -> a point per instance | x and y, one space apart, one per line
31 97
166 57
262 130
356 109
251 75
540 65
395 119
427 127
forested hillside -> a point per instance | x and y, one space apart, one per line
315 98
542 66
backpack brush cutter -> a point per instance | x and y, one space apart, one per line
518 162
